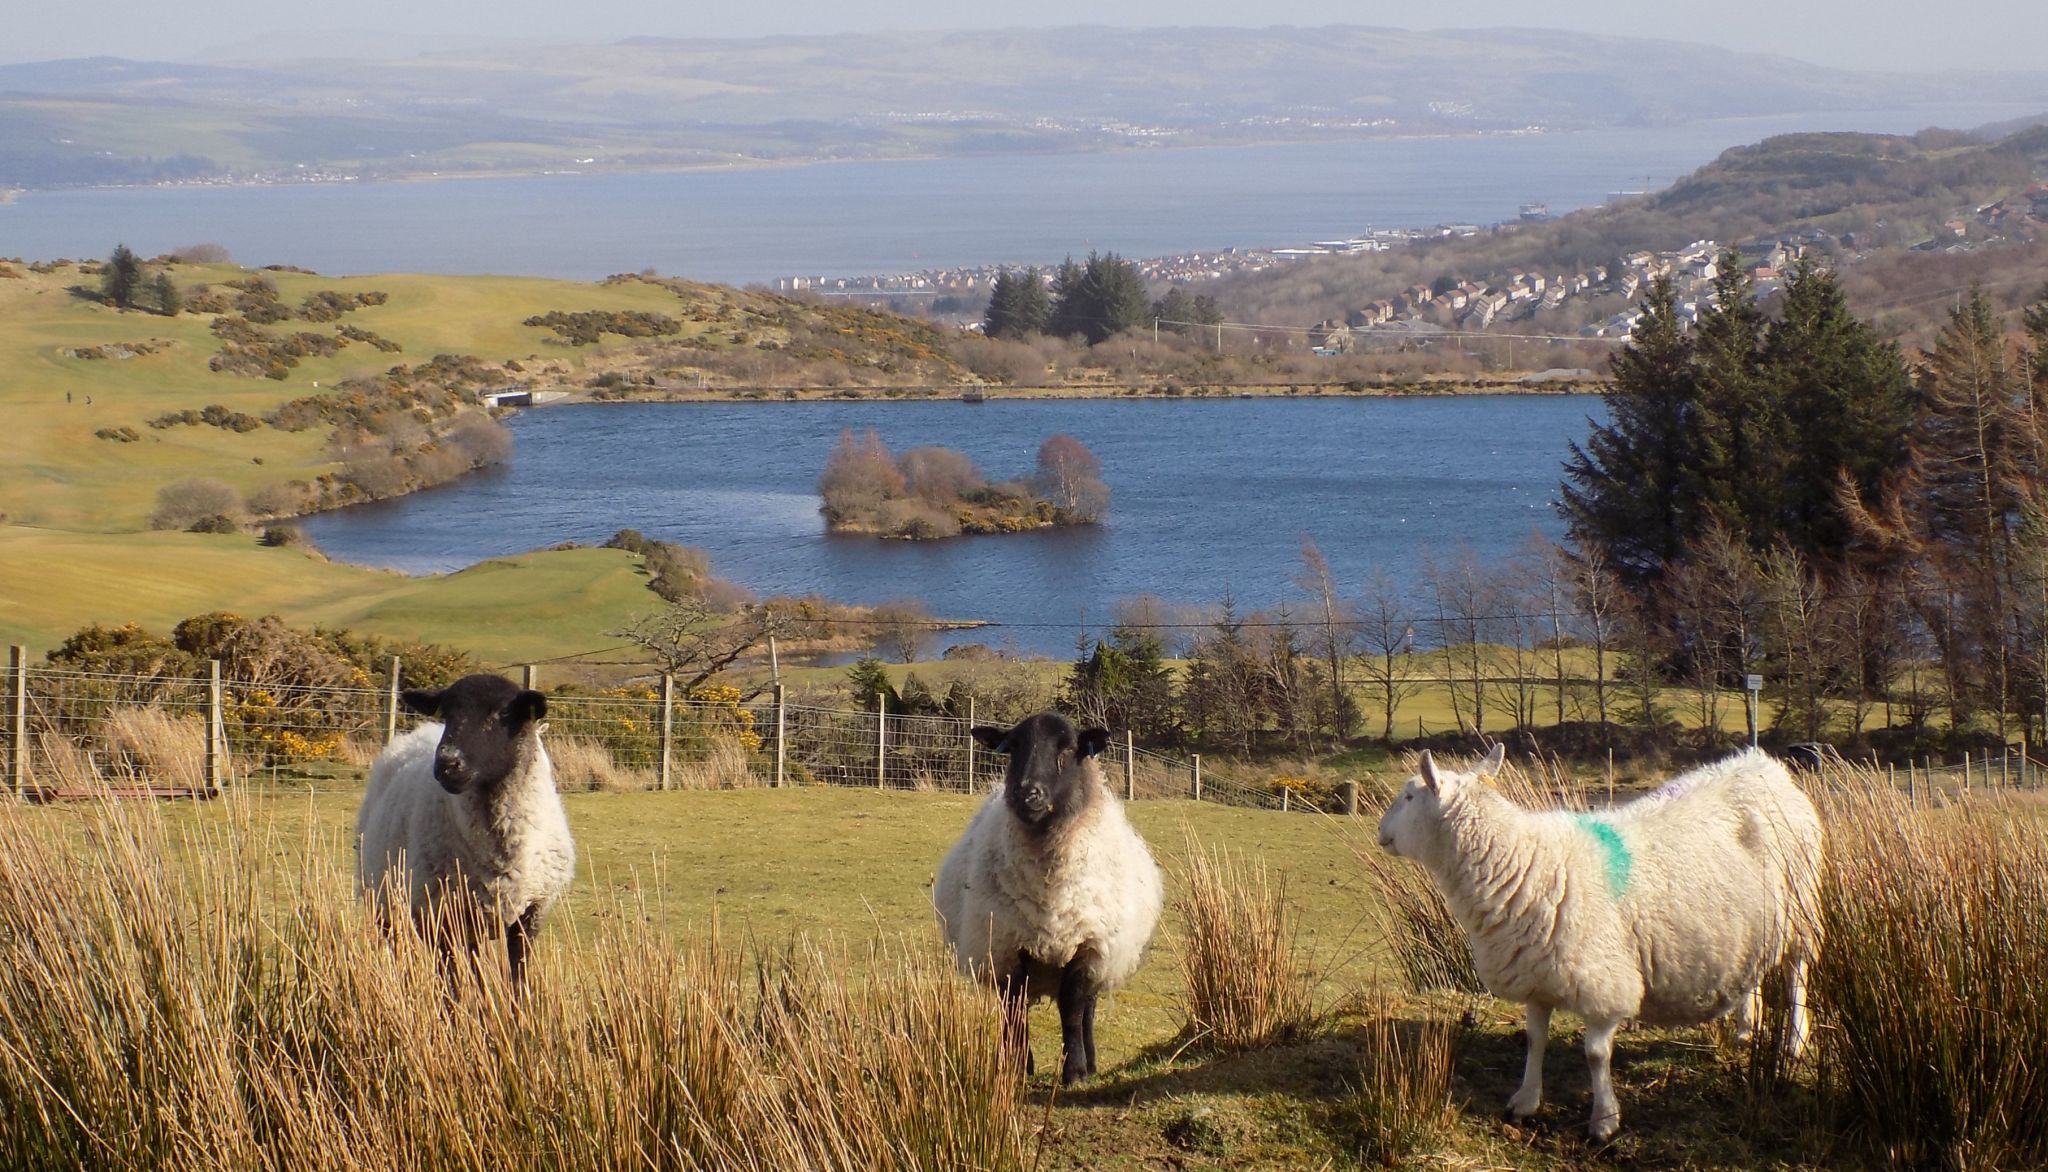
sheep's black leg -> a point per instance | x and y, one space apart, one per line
1088 1030
519 936
1017 1010
1075 997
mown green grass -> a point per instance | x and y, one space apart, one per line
507 610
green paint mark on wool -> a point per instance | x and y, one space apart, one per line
1614 851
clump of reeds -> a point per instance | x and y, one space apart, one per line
200 990
1402 1100
723 765
1246 984
581 763
1929 978
167 750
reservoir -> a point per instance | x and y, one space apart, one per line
1210 498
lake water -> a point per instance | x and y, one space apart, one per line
1209 497
740 226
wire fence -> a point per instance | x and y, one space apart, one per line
65 732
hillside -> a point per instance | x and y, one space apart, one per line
648 102
289 388
1935 209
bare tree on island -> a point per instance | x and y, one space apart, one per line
1070 477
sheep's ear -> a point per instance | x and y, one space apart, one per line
992 737
421 701
1093 741
1495 758
527 707
1426 769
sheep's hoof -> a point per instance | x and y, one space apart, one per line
1603 1127
1073 1073
1518 1109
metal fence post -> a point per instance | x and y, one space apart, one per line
17 769
391 704
781 729
668 708
216 736
1130 769
1195 760
881 740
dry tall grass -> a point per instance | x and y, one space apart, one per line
177 998
724 765
1247 986
1403 1098
584 764
166 750
1929 981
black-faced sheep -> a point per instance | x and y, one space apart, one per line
464 808
1670 908
1050 891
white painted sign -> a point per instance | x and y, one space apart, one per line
1753 683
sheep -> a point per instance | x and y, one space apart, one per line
467 804
1050 891
1670 909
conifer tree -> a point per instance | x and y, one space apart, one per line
1017 305
121 277
1098 299
164 292
1632 489
1851 398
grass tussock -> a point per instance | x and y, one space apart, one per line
165 749
1247 986
1402 1101
1928 982
169 1000
584 764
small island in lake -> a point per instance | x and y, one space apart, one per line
931 492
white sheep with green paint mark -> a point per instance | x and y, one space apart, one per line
1671 909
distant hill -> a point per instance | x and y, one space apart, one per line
658 102
1939 210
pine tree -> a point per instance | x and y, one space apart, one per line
164 292
1633 489
1849 399
121 277
1098 299
1175 311
1741 434
1017 305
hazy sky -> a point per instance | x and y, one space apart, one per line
1878 34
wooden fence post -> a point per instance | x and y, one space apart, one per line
781 738
1195 761
970 744
527 675
1347 798
216 737
1130 769
668 708
17 719
1286 797
391 704
881 740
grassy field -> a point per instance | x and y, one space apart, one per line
73 545
767 871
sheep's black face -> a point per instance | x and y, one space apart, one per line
483 717
1045 780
